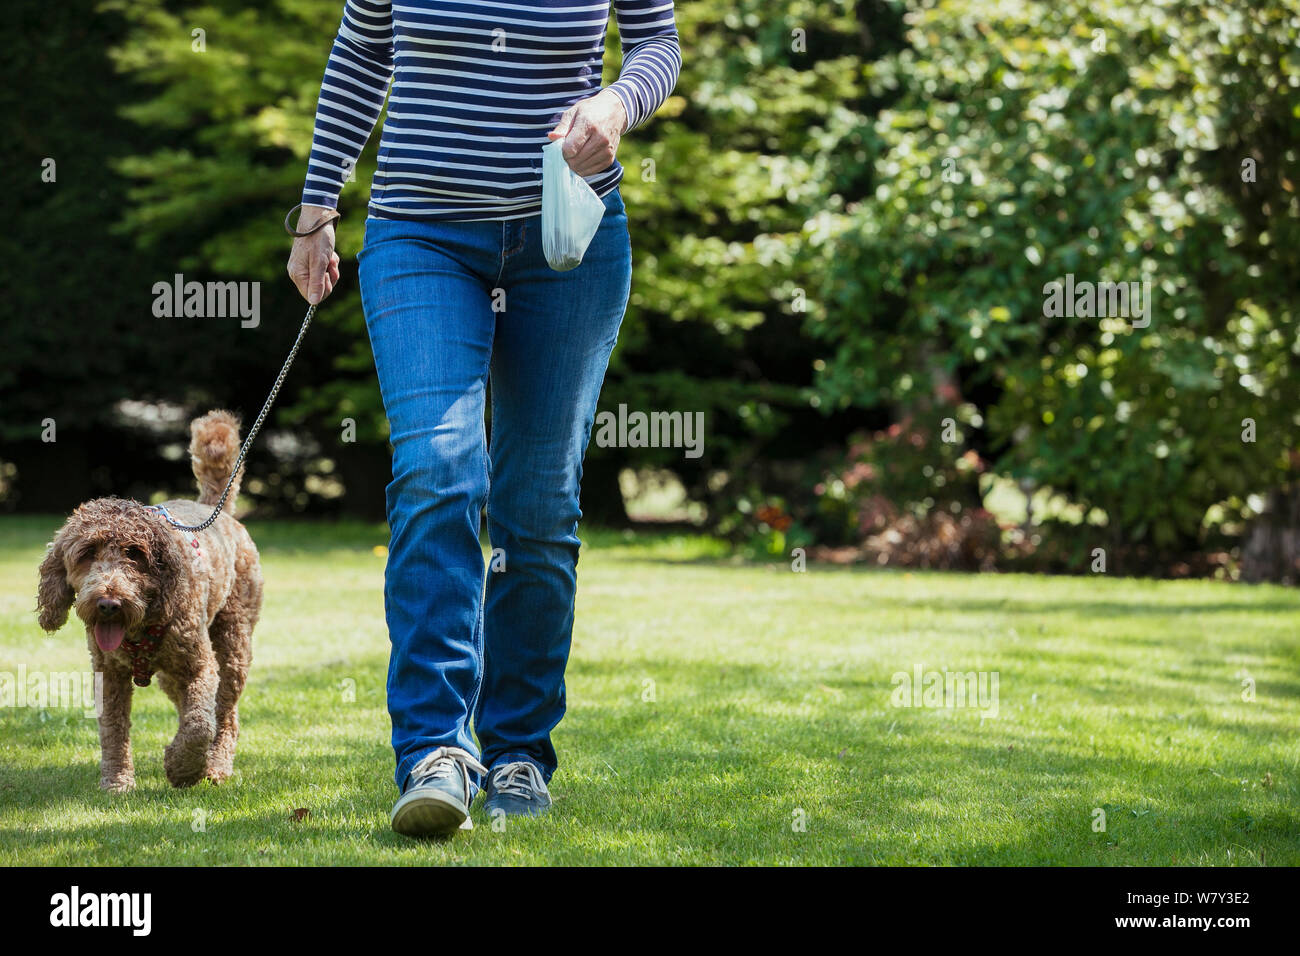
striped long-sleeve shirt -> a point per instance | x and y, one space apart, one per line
476 86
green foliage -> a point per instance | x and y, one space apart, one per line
845 217
241 111
76 335
720 279
1107 140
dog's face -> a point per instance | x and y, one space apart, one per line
112 561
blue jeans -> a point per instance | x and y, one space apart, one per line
450 307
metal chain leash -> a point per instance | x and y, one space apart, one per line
252 433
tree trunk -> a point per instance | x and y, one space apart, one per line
602 498
51 477
365 470
1271 550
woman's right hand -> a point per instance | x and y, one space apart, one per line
313 263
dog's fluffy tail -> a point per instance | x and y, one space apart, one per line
214 446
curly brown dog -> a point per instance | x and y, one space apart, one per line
158 600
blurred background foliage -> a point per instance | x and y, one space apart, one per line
843 222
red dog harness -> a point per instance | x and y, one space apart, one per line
142 650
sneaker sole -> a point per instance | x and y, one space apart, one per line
429 814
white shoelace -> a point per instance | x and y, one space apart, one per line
443 763
508 780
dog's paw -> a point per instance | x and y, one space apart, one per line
184 766
118 784
183 777
218 775
182 781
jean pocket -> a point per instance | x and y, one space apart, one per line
374 232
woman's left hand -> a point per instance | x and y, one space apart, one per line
591 130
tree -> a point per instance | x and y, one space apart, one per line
1109 141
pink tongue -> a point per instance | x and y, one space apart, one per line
109 636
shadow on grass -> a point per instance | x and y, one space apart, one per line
670 787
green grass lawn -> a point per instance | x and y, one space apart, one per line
770 739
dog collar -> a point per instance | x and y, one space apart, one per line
142 650
194 538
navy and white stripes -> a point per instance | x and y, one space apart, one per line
477 84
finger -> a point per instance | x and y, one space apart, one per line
334 268
564 125
298 276
316 288
592 160
577 137
596 154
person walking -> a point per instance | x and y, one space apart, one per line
460 304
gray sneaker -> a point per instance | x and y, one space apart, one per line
517 790
437 795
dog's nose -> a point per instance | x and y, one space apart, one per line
109 606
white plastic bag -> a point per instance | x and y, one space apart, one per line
571 210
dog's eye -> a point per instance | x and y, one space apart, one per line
135 554
83 554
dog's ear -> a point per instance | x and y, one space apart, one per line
170 569
54 596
